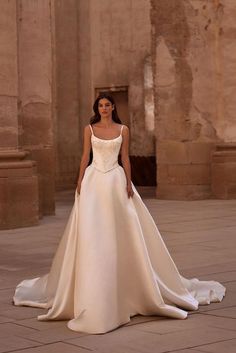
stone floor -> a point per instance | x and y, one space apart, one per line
201 237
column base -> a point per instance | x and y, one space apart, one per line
19 203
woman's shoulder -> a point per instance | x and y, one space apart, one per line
125 128
88 129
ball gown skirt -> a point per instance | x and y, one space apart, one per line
111 262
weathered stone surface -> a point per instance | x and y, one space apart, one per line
18 191
177 152
184 165
35 93
225 48
46 173
8 48
193 85
224 171
183 191
67 78
114 41
182 174
18 180
8 76
148 95
37 125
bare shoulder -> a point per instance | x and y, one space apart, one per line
87 128
125 129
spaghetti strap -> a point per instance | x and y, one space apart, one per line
121 129
91 128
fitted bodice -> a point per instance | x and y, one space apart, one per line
105 152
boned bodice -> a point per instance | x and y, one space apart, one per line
105 153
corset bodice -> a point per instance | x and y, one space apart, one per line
105 152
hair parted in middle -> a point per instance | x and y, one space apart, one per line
97 117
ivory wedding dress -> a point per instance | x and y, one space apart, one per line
111 262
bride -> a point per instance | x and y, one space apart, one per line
111 262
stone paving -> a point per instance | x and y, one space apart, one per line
201 237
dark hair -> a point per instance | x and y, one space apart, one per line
97 117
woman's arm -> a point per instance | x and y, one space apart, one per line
125 159
85 156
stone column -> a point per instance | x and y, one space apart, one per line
35 32
67 93
18 180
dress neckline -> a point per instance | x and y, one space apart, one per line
107 139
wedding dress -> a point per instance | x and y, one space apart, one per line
111 262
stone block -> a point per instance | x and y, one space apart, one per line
183 192
176 152
200 152
223 171
182 165
18 192
224 180
169 152
162 173
184 174
22 201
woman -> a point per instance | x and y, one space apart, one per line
111 263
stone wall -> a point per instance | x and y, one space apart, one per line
194 79
114 41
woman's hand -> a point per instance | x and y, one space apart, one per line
129 190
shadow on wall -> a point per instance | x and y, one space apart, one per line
143 170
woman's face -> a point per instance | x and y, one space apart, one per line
105 108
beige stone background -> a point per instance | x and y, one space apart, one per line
171 66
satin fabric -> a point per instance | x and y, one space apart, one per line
111 262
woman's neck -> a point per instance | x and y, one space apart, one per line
106 122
